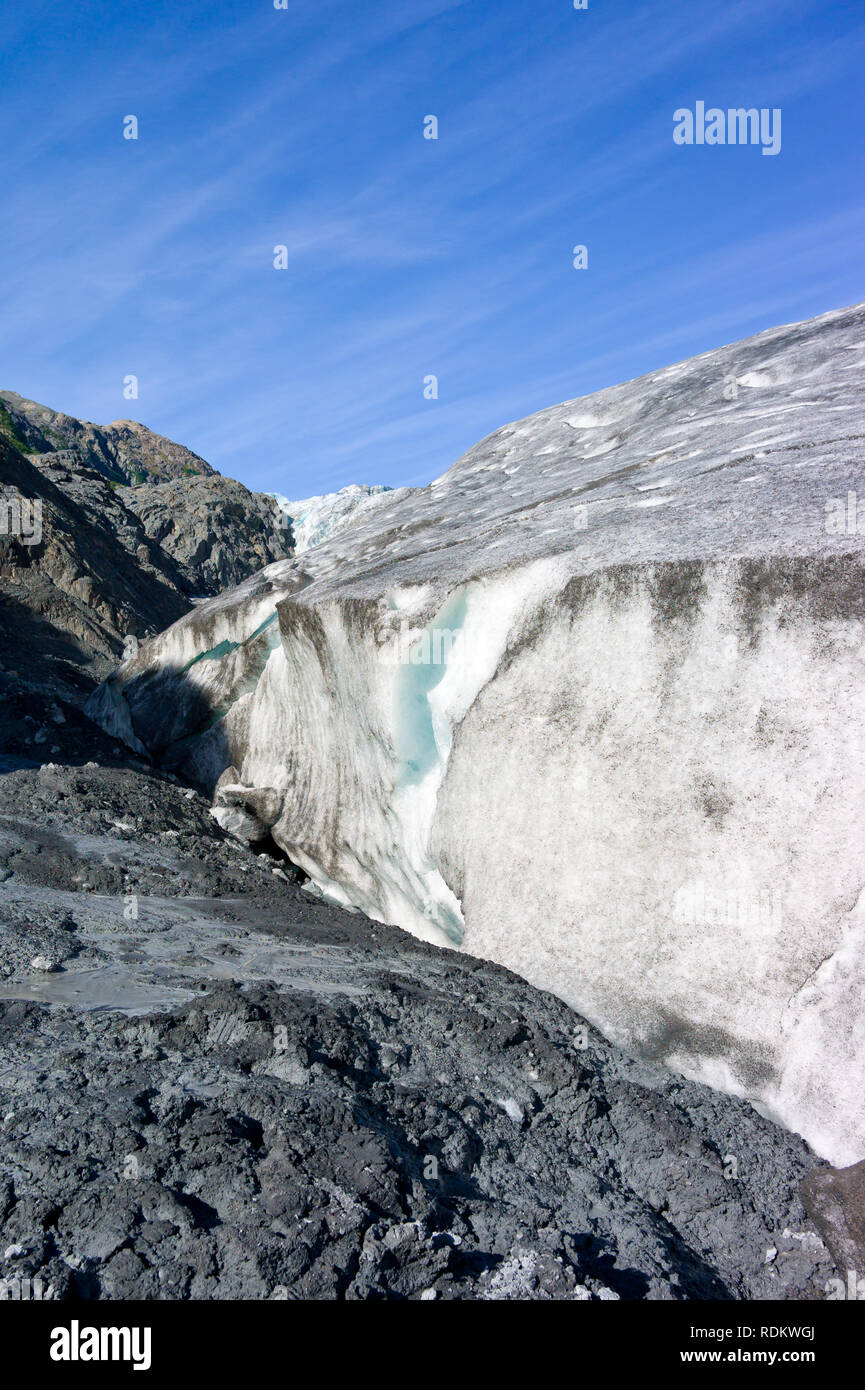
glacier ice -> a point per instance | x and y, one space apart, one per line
616 747
314 519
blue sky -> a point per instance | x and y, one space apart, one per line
407 257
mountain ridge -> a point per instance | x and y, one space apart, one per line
124 451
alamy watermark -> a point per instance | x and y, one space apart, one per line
735 126
21 517
854 1289
430 647
700 905
845 516
77 1343
21 1289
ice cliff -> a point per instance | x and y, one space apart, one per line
590 705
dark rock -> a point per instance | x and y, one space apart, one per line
834 1199
232 1090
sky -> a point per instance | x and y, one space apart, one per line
406 257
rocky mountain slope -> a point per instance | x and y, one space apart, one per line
215 528
107 563
591 706
123 452
74 586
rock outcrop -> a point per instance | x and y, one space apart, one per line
215 528
123 452
592 705
835 1201
78 573
88 564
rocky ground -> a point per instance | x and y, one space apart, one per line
213 1085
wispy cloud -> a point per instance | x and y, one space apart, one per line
407 257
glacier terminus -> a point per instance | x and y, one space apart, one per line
591 705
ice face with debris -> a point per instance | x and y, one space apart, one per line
316 518
591 705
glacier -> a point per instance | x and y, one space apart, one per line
590 705
314 519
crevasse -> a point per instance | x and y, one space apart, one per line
422 742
